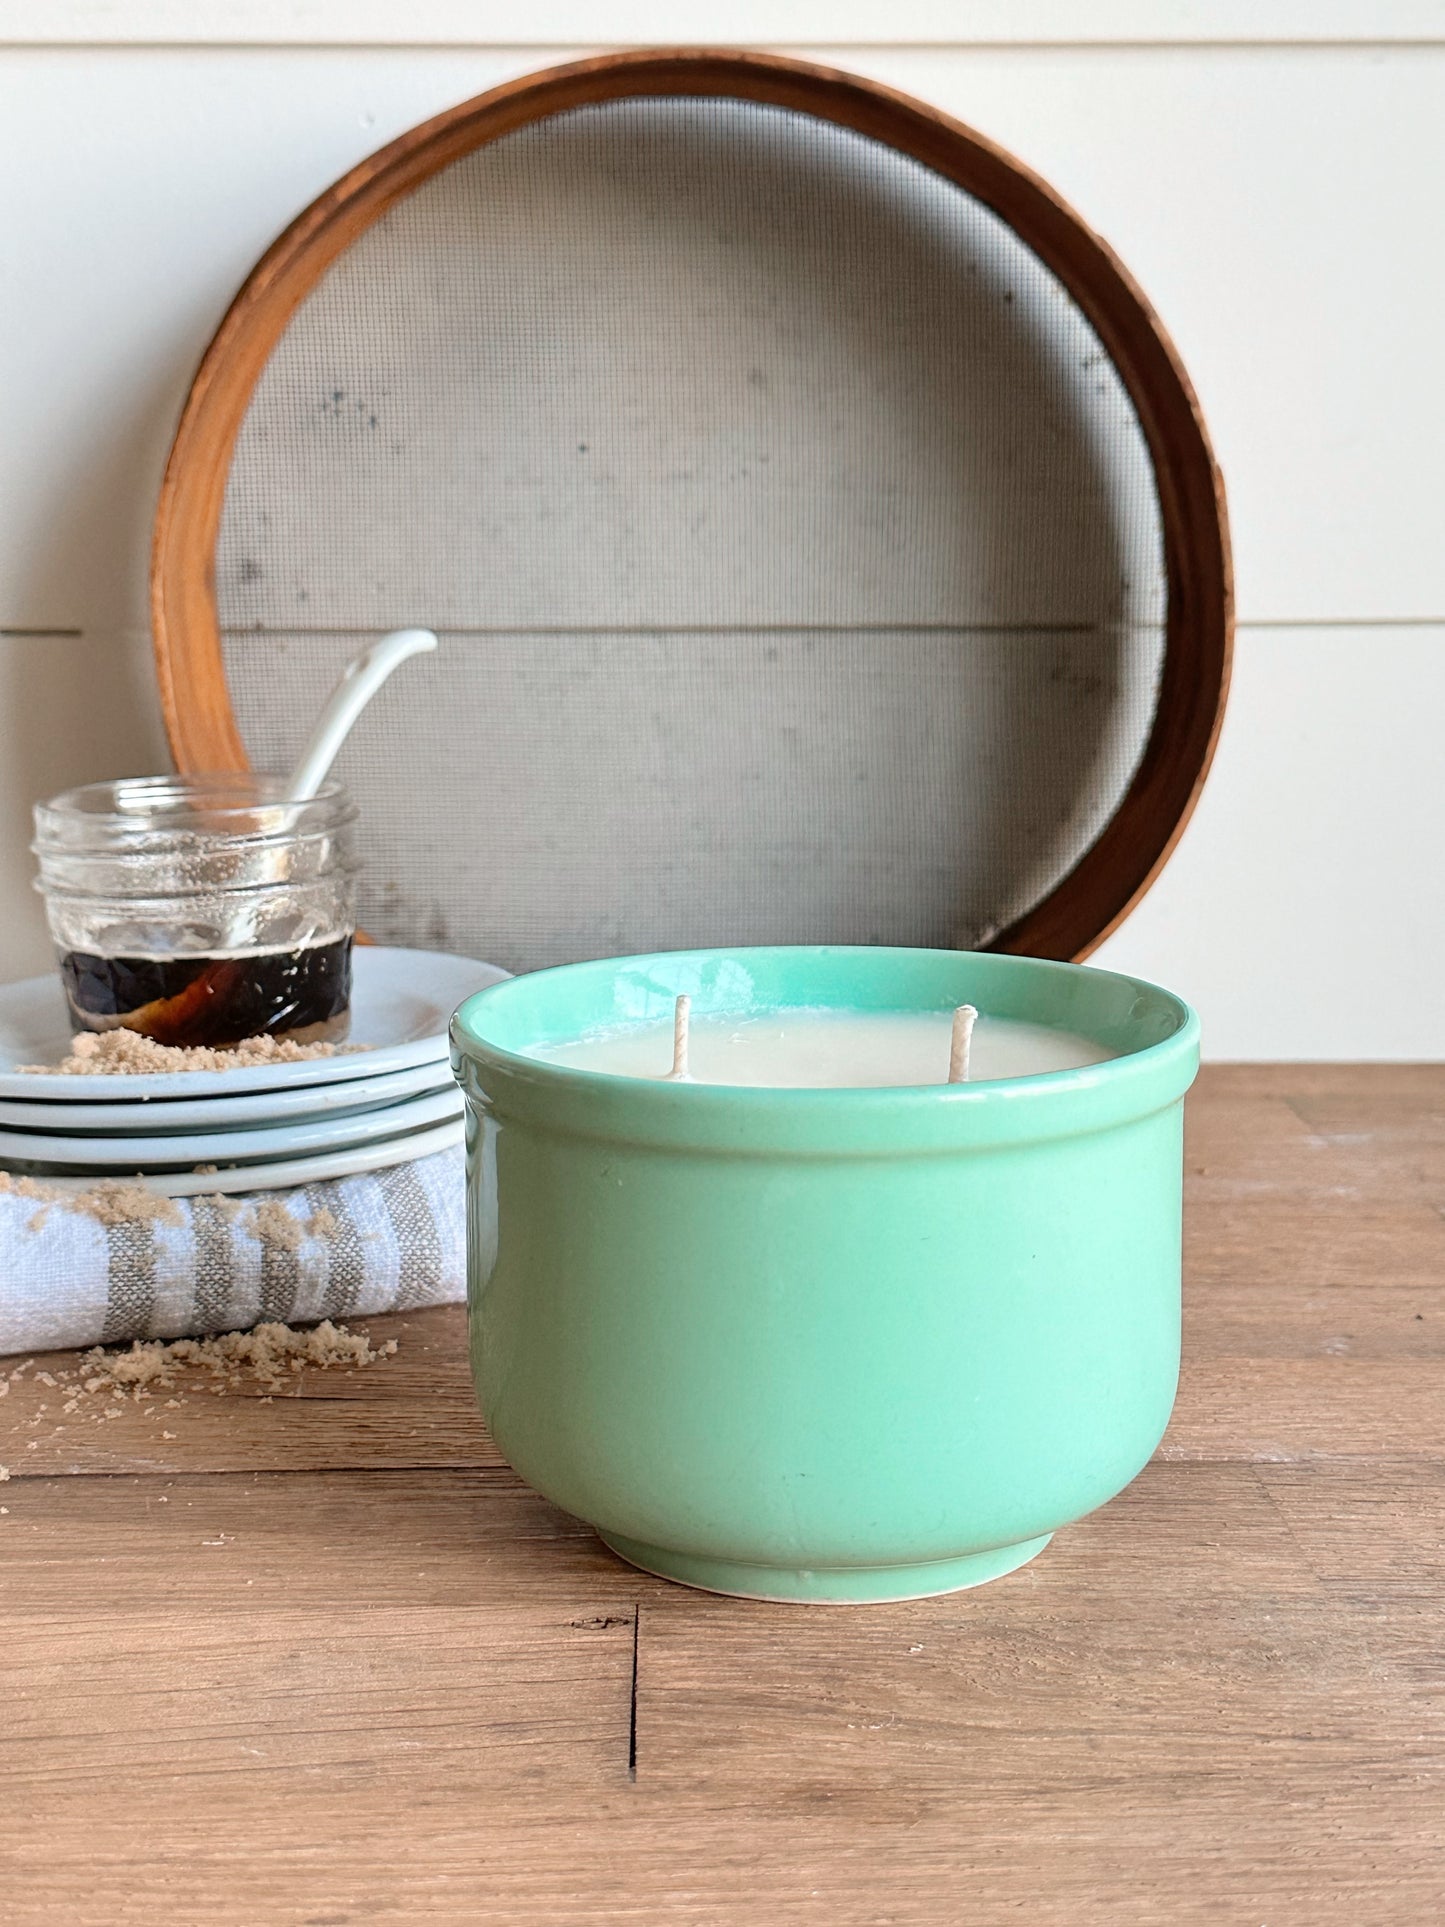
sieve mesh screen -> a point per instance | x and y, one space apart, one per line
793 541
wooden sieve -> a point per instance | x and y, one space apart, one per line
823 535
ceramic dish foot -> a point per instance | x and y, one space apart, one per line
827 1586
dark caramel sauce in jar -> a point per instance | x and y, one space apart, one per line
301 994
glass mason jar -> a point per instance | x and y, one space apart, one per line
201 909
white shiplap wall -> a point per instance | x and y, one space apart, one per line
1270 173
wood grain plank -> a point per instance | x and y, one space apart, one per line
1161 1645
482 1697
1274 1281
83 1551
736 1863
1276 1410
1084 1736
1230 1083
1251 1135
414 1409
1377 1530
1345 1378
291 1676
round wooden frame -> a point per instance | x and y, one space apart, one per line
1119 866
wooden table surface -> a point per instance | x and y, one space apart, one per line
326 1660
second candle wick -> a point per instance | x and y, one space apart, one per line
681 1019
964 1019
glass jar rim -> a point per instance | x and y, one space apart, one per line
131 807
133 855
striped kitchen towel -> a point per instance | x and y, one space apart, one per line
117 1262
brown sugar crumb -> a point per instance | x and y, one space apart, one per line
257 1363
126 1053
266 1355
27 1187
113 1201
44 1194
109 1200
271 1223
118 1201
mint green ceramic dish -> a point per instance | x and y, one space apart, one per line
827 1345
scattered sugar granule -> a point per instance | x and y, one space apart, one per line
127 1053
4 1473
110 1201
265 1360
271 1223
45 1378
114 1201
28 1188
267 1354
140 1365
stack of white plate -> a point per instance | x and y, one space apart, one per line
255 1128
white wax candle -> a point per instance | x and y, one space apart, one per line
828 1049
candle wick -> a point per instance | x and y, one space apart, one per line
964 1019
681 1020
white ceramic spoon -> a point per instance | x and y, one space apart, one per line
360 680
